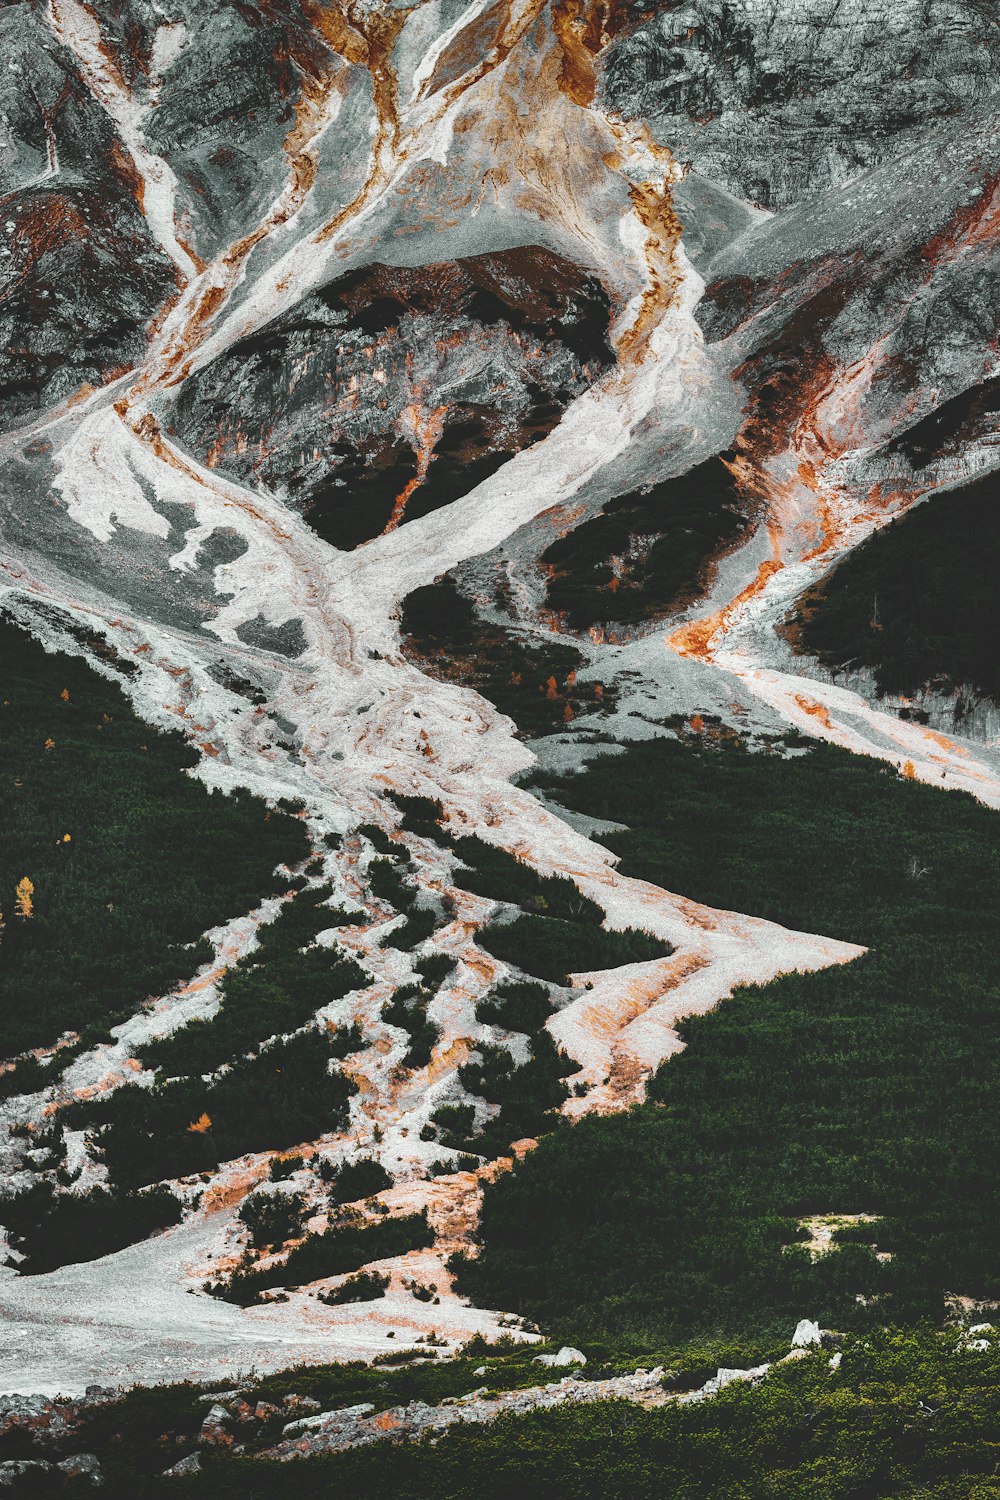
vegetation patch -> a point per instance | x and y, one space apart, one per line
274 989
357 1179
365 1286
273 1218
388 884
286 1094
495 873
649 553
434 968
105 886
60 1229
554 949
903 1415
408 1010
916 602
872 1087
26 1077
423 816
534 684
516 1006
560 930
528 1094
823 841
343 1247
416 929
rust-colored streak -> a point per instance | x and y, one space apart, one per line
577 77
814 710
473 44
695 638
583 28
371 39
977 223
655 209
426 428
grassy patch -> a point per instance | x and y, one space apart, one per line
99 816
916 602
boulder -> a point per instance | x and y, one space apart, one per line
215 1428
301 1403
566 1356
13 1470
189 1465
24 1411
806 1333
82 1466
328 1419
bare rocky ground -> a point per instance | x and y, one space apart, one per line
238 1421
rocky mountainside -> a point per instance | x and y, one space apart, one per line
395 380
780 101
500 440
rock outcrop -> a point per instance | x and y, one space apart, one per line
780 99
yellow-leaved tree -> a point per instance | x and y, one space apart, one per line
24 892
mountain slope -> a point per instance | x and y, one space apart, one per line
374 372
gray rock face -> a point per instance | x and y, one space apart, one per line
80 274
326 1420
887 286
392 391
355 1427
216 1429
777 99
226 81
189 1465
84 1467
42 1416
